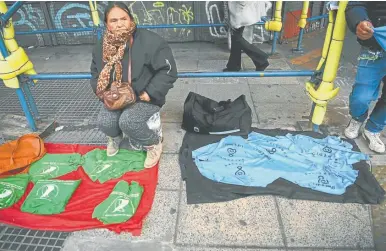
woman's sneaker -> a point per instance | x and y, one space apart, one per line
113 145
353 128
375 143
153 155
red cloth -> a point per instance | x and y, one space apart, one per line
78 212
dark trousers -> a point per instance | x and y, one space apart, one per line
258 56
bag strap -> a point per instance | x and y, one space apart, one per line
129 64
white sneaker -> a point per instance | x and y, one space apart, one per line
113 145
153 155
353 128
375 143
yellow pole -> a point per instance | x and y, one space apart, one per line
276 24
94 13
326 90
303 17
17 62
327 40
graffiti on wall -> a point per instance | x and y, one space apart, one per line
71 15
29 18
77 15
161 13
213 15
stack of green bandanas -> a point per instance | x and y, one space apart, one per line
121 204
54 165
12 189
100 167
49 196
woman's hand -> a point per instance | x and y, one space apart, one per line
144 97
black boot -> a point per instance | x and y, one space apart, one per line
227 69
262 67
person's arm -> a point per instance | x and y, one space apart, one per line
358 19
164 73
94 73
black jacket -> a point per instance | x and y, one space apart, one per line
153 67
375 12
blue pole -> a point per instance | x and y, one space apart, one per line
300 38
19 92
26 110
315 127
31 100
6 16
310 19
275 34
54 31
246 74
99 32
190 75
160 26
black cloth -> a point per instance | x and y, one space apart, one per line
199 189
206 116
153 67
238 43
358 11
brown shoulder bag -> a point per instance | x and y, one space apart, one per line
121 94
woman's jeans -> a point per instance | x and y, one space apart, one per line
139 123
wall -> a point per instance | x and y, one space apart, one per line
59 15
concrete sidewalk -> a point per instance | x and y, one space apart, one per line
255 223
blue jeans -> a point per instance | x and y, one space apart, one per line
371 71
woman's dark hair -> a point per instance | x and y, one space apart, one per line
120 5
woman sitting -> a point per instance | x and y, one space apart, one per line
126 51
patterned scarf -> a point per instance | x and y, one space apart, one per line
114 45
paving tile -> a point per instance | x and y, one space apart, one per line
324 249
211 65
181 89
321 224
219 92
169 172
248 222
218 81
161 222
158 226
214 55
281 113
182 54
337 116
273 81
225 249
289 94
187 65
173 135
172 111
379 212
274 64
99 244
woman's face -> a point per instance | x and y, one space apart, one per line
117 20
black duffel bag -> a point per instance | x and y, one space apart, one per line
206 116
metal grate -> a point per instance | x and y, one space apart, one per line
89 136
67 101
18 239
